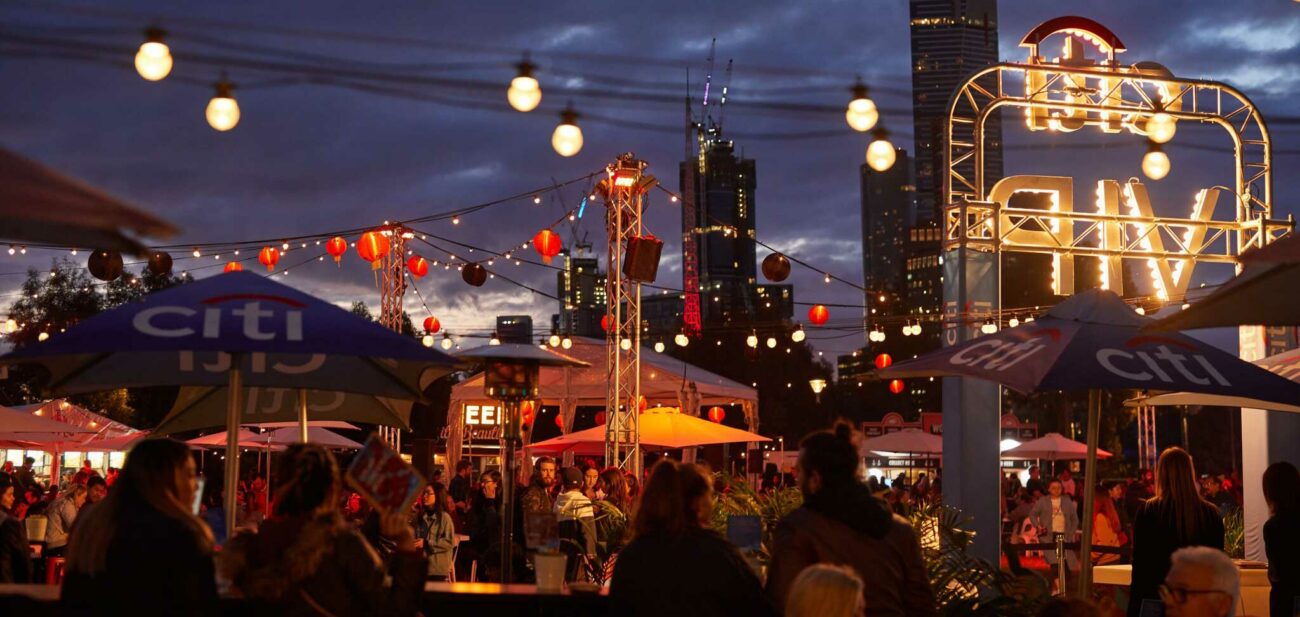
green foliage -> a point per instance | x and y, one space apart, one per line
612 533
739 499
1234 534
127 288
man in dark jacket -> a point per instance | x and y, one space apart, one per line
840 522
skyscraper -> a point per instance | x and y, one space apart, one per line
888 201
580 287
725 255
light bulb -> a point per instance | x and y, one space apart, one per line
752 340
880 335
1161 128
988 328
11 326
880 154
681 340
223 110
154 60
567 343
1155 164
446 342
42 336
625 344
862 114
771 342
659 346
567 138
907 330
1141 311
798 335
524 93
1013 322
1029 320
494 340
554 341
427 340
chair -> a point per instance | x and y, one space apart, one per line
53 570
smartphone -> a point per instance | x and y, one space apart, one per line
198 495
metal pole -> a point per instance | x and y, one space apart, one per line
509 438
1089 490
234 397
302 415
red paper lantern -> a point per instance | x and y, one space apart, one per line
604 323
896 386
233 266
884 360
336 247
641 404
818 314
559 421
418 266
600 417
717 414
432 325
372 246
527 410
547 244
269 256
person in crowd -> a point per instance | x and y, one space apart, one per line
112 476
1202 582
305 561
841 522
634 486
536 498
590 480
1215 494
435 530
1282 537
771 477
15 558
1106 528
85 473
25 476
142 551
674 549
96 491
62 513
459 488
257 500
1115 490
1034 483
825 590
613 487
1068 485
484 518
1055 515
1176 517
577 522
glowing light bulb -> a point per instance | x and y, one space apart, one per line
567 343
427 340
625 344
524 93
1013 322
494 340
42 336
771 342
11 326
880 153
752 340
1155 164
567 138
1140 311
659 347
554 340
682 340
446 342
154 60
1161 128
798 335
223 110
988 328
862 114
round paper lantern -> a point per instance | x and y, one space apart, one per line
604 323
160 263
600 418
336 247
896 386
884 360
418 266
269 256
432 325
372 246
642 404
547 244
233 266
559 421
776 267
474 274
818 314
105 265
717 414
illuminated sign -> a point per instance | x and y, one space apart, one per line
481 414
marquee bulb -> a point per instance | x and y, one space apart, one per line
524 93
154 60
1161 128
1155 164
567 138
223 110
880 154
862 114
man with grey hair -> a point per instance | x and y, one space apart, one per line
1202 582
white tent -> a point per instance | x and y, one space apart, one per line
664 381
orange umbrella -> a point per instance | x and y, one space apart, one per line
660 427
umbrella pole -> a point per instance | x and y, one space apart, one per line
1089 491
235 390
302 415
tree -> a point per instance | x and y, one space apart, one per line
127 288
360 309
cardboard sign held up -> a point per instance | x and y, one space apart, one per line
381 476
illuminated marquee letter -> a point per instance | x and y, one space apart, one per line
1046 231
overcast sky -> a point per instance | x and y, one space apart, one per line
308 158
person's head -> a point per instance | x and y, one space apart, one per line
7 493
1148 476
1103 505
545 475
309 484
590 476
676 498
574 479
1054 488
159 474
76 493
614 484
825 590
85 464
96 489
1033 472
1213 485
490 482
435 497
1176 484
1202 582
827 458
28 462
464 468
1282 489
259 483
1115 489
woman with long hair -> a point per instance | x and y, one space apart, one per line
1106 528
825 590
142 550
15 562
305 560
1176 517
613 485
1282 537
674 549
435 530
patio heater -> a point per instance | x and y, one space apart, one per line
510 376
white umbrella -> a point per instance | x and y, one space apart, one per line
909 441
1051 447
329 439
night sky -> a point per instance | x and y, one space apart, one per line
311 157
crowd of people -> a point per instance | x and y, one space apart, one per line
845 551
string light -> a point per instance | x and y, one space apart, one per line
223 110
880 153
659 346
988 327
567 343
1161 127
1155 163
862 114
554 340
752 340
798 335
446 341
494 340
567 138
771 342
1013 322
154 59
681 339
524 94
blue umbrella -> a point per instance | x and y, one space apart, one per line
1094 341
235 330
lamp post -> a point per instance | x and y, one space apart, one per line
817 386
510 376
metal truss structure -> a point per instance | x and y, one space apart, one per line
392 295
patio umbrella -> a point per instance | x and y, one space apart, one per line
1051 447
1286 364
662 427
115 444
41 206
908 441
1094 341
322 437
216 441
235 330
1252 298
205 407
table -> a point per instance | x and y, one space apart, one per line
1254 584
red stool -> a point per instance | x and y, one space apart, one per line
53 570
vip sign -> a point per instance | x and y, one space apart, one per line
481 414
1124 227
